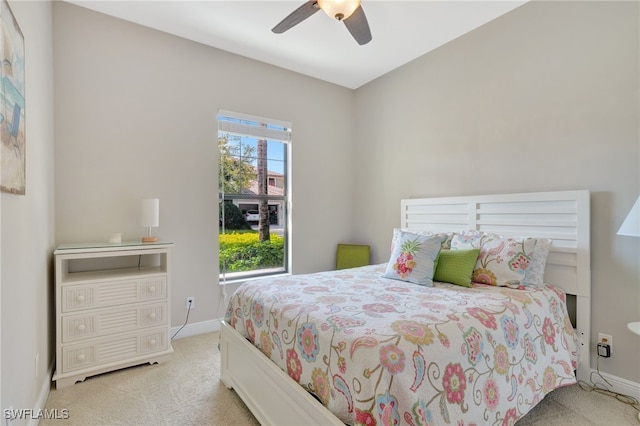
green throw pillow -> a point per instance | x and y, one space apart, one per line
456 266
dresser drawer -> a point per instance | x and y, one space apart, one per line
97 323
112 293
115 348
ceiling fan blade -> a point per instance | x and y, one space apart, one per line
300 14
358 26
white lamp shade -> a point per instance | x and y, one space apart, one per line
151 212
339 9
631 225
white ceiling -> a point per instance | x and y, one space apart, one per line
319 46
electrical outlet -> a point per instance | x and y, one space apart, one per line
606 339
191 303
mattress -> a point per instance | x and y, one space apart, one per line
379 351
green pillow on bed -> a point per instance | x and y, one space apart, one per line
456 266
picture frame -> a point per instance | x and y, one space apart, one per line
12 104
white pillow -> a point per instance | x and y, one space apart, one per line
534 274
448 236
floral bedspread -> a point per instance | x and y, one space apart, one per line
377 351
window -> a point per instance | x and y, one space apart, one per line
253 182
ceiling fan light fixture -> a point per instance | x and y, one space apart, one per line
339 9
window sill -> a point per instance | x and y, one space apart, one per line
242 277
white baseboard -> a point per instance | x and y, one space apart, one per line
618 384
43 395
196 328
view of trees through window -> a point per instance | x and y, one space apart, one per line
252 176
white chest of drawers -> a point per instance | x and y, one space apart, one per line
112 308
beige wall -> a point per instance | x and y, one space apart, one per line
544 98
27 230
136 117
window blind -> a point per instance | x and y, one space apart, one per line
248 125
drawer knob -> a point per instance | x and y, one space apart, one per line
152 342
152 289
81 357
81 327
80 298
152 315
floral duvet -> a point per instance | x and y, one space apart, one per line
377 351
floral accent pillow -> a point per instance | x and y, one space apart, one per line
412 257
503 261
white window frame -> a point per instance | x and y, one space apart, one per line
269 134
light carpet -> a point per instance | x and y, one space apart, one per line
187 391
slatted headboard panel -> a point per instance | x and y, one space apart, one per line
562 216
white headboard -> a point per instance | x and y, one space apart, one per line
562 216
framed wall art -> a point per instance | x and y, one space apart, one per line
12 104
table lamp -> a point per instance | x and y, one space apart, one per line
150 217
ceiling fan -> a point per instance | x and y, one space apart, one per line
348 11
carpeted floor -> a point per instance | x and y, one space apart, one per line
187 391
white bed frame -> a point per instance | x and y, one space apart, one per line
275 399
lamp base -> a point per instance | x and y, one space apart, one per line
149 239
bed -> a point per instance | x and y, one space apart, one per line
448 354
